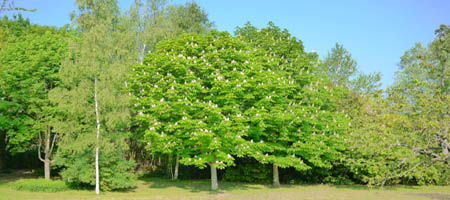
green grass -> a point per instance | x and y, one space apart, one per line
156 188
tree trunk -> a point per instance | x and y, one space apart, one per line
444 144
97 173
2 149
47 168
214 184
169 166
177 164
276 179
47 154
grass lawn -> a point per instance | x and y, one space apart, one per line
156 188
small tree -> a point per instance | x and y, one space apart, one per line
93 101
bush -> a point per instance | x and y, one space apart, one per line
248 170
40 185
78 169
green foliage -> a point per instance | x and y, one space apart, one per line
211 98
424 87
376 155
92 78
39 185
189 18
185 105
366 83
248 170
30 58
114 169
342 69
236 103
339 65
402 138
293 114
154 21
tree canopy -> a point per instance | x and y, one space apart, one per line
120 94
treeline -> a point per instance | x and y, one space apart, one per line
157 90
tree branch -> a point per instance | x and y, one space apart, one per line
39 148
53 145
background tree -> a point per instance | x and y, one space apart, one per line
8 5
402 138
366 84
156 20
377 155
342 69
189 18
423 87
339 65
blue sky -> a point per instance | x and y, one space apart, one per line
376 33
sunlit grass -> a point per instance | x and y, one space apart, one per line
157 188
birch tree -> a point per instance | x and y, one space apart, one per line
93 98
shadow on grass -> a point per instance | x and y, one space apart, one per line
366 187
431 195
199 185
8 176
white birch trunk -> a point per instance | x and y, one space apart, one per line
97 173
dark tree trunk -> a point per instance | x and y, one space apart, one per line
2 149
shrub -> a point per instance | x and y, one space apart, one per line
248 170
78 169
40 185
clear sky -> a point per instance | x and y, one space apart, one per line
375 32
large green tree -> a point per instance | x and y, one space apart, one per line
294 121
30 58
188 98
14 131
